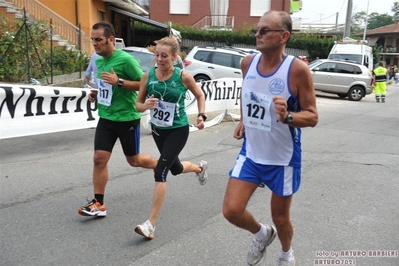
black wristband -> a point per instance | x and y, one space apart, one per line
203 115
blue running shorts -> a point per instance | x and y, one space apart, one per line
282 180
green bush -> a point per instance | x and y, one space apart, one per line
316 45
17 43
68 61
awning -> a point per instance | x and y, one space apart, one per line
129 5
372 40
138 18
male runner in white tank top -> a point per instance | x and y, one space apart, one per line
277 99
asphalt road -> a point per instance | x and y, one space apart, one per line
346 209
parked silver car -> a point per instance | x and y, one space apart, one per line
146 57
143 55
211 62
342 78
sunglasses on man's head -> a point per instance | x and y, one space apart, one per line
263 31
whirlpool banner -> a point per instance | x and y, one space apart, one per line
30 110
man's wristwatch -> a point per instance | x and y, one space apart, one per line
120 82
203 115
288 119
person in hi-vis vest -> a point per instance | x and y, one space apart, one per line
380 82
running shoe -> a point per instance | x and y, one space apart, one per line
203 176
93 208
257 252
145 229
282 262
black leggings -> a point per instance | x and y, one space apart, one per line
170 143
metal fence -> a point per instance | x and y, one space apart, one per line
186 45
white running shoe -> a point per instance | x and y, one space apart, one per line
145 229
290 262
203 176
257 252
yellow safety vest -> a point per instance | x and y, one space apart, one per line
380 74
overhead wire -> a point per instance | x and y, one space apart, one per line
333 15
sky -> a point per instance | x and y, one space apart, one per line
325 11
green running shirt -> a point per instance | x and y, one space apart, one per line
172 91
123 103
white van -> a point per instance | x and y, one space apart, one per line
355 51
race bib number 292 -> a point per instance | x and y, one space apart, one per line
163 114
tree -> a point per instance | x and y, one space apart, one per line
377 20
374 20
395 10
358 21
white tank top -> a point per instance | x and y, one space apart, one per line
266 140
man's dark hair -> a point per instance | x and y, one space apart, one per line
108 28
380 64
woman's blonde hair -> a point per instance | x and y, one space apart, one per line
169 41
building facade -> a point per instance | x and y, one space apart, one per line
387 40
72 19
215 13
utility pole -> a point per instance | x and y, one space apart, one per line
336 22
320 30
367 16
348 19
347 31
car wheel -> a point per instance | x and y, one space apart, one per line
342 95
356 93
201 78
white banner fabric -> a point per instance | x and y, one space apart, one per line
31 110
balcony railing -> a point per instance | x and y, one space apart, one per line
62 28
217 22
